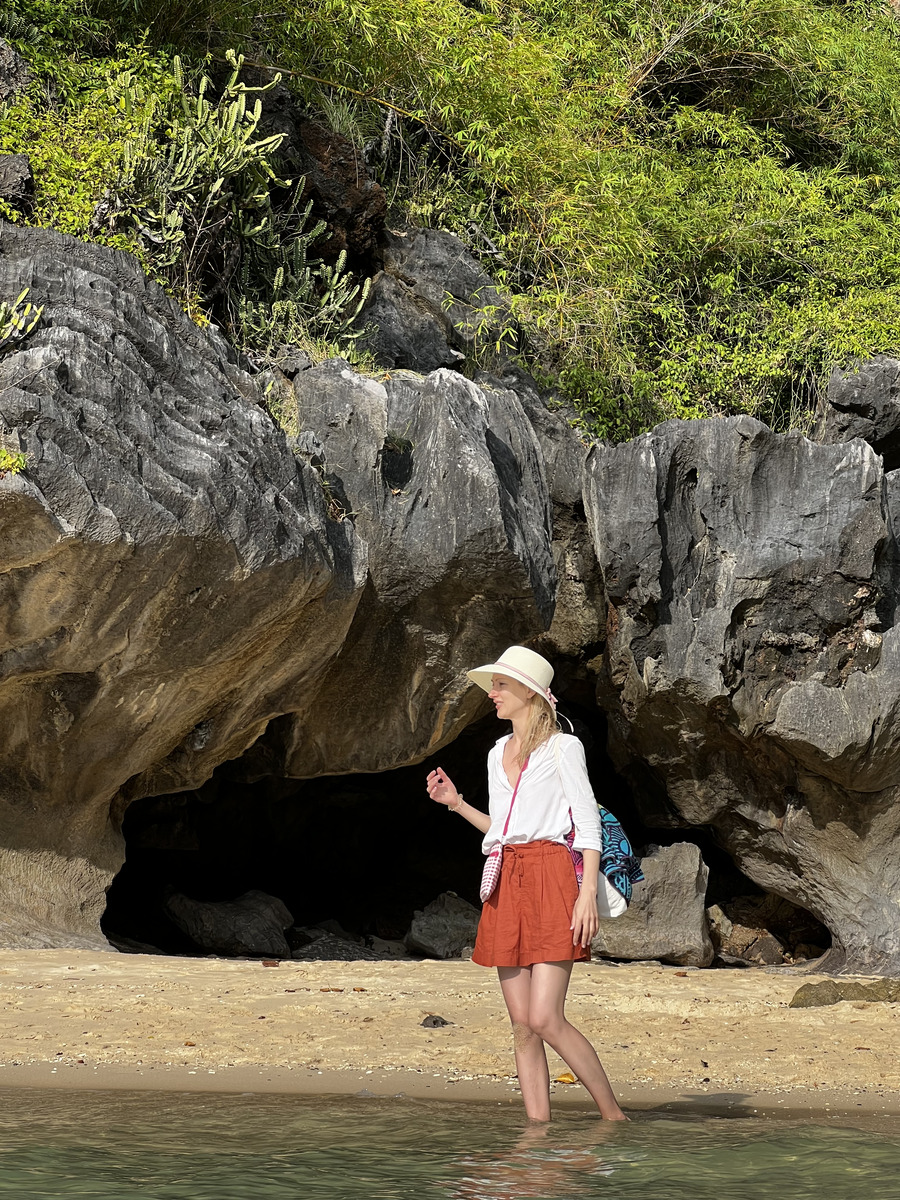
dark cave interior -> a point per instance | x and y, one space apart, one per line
364 850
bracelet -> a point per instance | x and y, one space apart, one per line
457 806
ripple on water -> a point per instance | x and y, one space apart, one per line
115 1145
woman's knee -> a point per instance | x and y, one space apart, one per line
547 1025
523 1034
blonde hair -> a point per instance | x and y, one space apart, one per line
542 725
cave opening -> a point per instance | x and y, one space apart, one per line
354 854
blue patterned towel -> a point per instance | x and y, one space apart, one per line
617 859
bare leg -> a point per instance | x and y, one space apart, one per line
547 1019
531 1060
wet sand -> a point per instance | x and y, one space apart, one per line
721 1041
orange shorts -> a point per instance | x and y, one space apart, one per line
527 918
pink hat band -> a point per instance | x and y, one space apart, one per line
517 671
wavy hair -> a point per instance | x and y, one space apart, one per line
542 724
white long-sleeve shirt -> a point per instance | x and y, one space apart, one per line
553 783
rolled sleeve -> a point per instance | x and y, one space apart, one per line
579 794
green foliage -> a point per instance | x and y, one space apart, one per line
306 303
130 149
14 28
194 183
197 24
75 137
17 321
12 462
200 201
694 202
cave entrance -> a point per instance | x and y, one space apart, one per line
354 854
363 851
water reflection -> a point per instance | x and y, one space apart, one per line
534 1165
111 1146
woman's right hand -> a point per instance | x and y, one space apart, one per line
441 789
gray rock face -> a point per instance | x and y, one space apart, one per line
252 924
443 480
177 582
327 947
753 661
445 928
864 402
14 73
433 305
16 181
666 919
159 551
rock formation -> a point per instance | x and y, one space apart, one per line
250 924
864 401
433 305
751 665
184 584
445 928
15 74
16 182
666 918
161 551
177 581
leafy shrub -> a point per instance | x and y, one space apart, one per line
694 201
131 151
201 203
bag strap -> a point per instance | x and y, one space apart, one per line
515 789
570 839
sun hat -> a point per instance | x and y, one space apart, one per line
521 664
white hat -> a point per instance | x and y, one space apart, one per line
521 664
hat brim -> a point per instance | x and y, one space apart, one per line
483 677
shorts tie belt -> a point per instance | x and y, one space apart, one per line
527 919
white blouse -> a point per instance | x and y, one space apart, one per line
553 783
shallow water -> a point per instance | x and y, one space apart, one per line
115 1145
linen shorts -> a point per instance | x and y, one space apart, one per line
526 920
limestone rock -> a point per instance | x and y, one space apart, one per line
341 191
445 928
864 402
719 925
180 583
324 946
15 74
666 919
443 481
336 177
579 615
434 305
765 949
833 991
752 663
161 550
16 181
762 928
254 923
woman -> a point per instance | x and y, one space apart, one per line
536 923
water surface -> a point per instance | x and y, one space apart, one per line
163 1146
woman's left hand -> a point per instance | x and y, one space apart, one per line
585 919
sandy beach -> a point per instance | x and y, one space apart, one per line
721 1040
